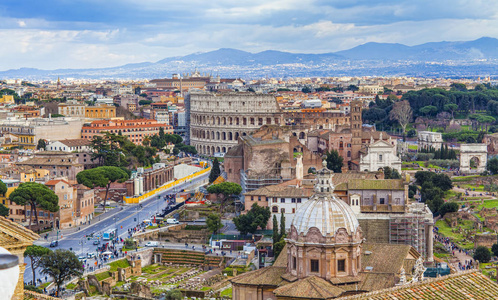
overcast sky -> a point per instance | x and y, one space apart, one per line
52 34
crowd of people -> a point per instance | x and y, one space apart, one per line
467 264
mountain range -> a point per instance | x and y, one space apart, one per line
449 59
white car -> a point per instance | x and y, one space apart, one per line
152 244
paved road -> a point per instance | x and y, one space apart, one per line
122 218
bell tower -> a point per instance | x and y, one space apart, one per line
356 128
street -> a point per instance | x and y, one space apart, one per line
122 218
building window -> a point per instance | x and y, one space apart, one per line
315 267
259 198
341 265
294 263
380 157
274 209
298 200
252 198
396 201
282 200
382 200
293 210
282 210
293 200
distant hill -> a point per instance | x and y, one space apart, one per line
468 58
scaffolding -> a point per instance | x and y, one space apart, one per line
251 183
409 230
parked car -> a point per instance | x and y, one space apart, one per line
54 244
172 221
90 255
96 242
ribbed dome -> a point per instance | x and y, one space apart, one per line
326 213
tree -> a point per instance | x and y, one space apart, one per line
391 173
452 107
334 161
492 165
174 295
277 247
227 189
275 236
282 225
41 144
448 207
35 253
494 249
257 216
35 195
306 90
61 265
101 177
4 210
352 87
3 188
428 110
213 223
482 254
401 112
215 170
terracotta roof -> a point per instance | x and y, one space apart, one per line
55 181
470 284
45 161
382 263
281 260
235 151
75 142
385 184
269 276
284 189
312 287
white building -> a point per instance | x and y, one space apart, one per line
428 139
380 154
70 145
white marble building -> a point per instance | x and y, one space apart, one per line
380 154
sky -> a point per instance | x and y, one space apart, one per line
52 34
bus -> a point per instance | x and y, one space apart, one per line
109 235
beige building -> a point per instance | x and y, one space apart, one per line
67 195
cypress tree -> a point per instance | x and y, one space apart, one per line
276 237
282 226
215 171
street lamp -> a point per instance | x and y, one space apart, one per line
82 242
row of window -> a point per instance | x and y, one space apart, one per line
315 265
274 209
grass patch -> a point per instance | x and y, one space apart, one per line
205 288
103 275
44 285
71 286
457 238
412 147
464 178
226 293
478 188
488 204
122 263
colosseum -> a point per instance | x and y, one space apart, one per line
218 119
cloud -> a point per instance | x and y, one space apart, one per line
92 33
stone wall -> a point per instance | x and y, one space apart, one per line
486 240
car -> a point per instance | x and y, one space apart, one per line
54 244
172 221
152 244
96 242
81 257
90 255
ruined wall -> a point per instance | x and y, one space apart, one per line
486 240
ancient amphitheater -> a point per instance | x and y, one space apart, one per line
218 119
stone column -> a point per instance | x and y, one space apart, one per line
430 243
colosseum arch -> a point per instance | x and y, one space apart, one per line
230 136
244 121
224 136
212 135
230 121
236 136
302 135
218 149
224 149
473 158
237 121
224 121
212 149
217 135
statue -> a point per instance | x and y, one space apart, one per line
402 277
418 273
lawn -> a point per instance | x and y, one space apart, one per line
488 204
458 239
122 263
226 293
71 286
464 178
103 275
412 147
478 188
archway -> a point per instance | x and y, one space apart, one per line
474 163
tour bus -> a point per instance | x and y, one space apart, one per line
109 235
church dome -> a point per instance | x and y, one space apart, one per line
327 213
324 211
